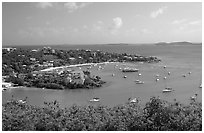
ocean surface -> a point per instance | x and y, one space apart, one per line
178 60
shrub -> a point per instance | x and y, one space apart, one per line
157 115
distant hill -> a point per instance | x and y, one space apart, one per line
177 43
117 44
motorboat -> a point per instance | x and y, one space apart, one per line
95 99
157 75
169 73
127 69
164 77
157 80
194 97
167 89
22 101
139 82
139 74
134 100
200 86
124 76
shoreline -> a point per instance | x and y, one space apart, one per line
76 65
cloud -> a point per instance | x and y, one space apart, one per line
116 25
179 21
158 12
117 22
73 6
44 5
197 22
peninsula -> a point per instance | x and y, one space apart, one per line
52 69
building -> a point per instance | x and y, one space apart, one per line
6 85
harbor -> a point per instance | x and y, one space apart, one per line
118 89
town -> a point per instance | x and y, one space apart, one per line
52 69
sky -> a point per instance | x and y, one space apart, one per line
100 22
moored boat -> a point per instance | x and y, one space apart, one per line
127 69
139 82
134 100
95 99
167 89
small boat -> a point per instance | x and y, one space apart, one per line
200 86
139 82
194 97
124 76
113 74
167 89
169 73
157 75
164 66
157 80
164 77
189 73
184 75
95 99
139 74
127 69
134 100
22 101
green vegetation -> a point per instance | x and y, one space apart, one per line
156 115
20 66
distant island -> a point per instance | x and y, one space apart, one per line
178 43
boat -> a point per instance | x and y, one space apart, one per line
22 101
128 69
167 89
124 76
169 73
134 100
194 97
139 82
200 86
95 99
157 75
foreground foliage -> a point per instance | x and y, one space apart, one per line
156 115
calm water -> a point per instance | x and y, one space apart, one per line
178 59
